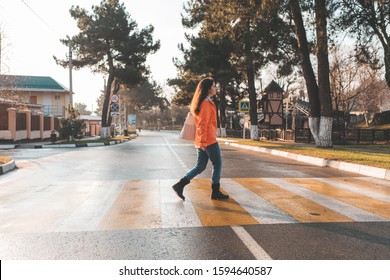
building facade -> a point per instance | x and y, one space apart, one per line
38 93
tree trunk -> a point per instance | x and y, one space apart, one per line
217 105
314 124
387 64
222 111
252 101
320 104
105 131
325 132
307 68
250 72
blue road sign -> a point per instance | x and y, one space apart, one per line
114 107
244 106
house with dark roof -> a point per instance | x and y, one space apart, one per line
39 93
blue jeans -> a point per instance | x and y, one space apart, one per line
214 154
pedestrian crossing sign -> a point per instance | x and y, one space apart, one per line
244 106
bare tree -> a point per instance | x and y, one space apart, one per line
344 79
370 93
4 49
354 86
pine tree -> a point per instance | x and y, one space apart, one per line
109 42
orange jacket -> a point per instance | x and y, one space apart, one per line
206 124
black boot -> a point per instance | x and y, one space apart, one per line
179 186
216 194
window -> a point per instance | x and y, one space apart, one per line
34 99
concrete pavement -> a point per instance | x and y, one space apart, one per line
8 166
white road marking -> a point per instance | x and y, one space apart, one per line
373 180
263 211
91 213
345 209
177 156
175 212
258 252
354 189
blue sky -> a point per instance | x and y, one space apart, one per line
32 29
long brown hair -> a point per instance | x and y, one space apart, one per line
200 94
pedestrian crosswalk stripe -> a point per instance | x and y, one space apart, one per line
375 181
347 210
376 186
137 206
143 204
215 212
90 213
175 213
259 208
153 204
292 202
380 208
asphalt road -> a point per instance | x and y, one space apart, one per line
116 202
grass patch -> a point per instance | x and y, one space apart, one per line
93 140
371 155
383 126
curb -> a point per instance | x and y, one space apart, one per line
370 171
7 167
79 145
11 165
7 146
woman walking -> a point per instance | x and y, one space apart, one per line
205 114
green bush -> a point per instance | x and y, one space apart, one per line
72 127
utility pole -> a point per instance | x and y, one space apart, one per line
70 75
0 50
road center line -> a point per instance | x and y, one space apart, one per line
258 252
176 155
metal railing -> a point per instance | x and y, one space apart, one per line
54 110
303 135
352 136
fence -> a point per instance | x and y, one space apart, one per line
3 120
303 135
18 125
353 136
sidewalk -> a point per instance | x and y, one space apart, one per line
365 170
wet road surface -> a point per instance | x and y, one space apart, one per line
116 202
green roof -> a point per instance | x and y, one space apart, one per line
33 83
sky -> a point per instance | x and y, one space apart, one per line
32 30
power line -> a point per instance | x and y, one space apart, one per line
35 13
70 50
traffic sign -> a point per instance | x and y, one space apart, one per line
114 107
243 106
114 98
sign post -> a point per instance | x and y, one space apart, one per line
243 107
173 123
115 110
